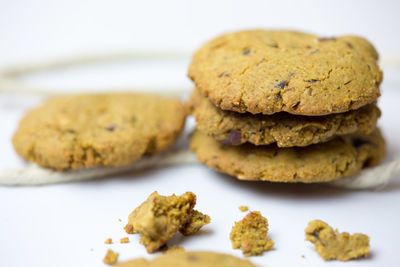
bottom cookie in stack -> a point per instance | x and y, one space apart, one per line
342 156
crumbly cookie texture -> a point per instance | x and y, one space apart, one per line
111 257
284 129
250 234
260 71
342 156
332 245
160 217
192 258
80 131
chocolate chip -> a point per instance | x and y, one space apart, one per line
246 51
349 45
234 138
314 52
311 81
223 74
281 84
326 39
110 127
346 83
357 142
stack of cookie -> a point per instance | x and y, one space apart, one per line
286 106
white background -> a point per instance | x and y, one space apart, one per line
59 225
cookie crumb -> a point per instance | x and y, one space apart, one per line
119 220
243 208
124 240
250 234
332 245
129 229
303 256
111 257
91 249
159 217
108 241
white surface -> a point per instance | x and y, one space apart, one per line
59 225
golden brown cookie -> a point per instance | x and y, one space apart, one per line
159 217
332 245
261 71
192 258
284 129
91 130
342 156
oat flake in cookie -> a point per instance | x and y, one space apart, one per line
260 71
340 157
92 130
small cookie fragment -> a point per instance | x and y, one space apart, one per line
124 240
108 241
160 217
243 208
332 245
192 258
195 222
111 257
250 234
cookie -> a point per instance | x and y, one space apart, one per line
159 217
284 129
261 71
332 245
342 156
250 234
91 130
192 258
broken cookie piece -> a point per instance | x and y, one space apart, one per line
160 217
332 245
250 234
195 222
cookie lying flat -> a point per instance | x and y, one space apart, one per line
261 71
92 130
284 129
192 258
342 156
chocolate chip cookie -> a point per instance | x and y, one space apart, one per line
284 129
260 71
340 157
90 130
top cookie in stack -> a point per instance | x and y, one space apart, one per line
296 93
